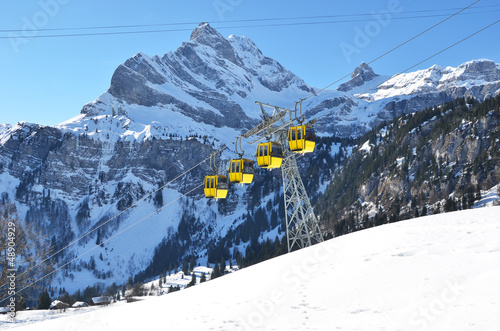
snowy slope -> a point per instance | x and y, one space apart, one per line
432 273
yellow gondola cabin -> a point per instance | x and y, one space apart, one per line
216 186
241 171
269 155
301 139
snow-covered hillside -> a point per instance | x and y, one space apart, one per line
437 272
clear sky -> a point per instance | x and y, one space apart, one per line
48 80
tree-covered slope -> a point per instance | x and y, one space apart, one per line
426 162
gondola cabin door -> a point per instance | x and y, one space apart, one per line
216 186
301 139
269 155
241 171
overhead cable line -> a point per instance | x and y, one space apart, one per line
411 67
394 48
249 20
219 28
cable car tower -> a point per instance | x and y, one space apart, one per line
302 227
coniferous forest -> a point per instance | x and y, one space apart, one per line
433 161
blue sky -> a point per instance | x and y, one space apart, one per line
48 80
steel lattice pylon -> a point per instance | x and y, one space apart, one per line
302 227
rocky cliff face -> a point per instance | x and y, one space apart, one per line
163 115
66 184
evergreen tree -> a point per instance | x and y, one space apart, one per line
222 267
192 282
192 263
44 300
92 263
138 290
437 210
424 211
173 289
450 205
78 296
477 194
215 272
20 303
158 198
185 267
464 202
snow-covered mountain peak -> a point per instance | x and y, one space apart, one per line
362 74
436 78
484 69
210 82
205 35
363 70
204 32
367 99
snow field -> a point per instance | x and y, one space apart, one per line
437 272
